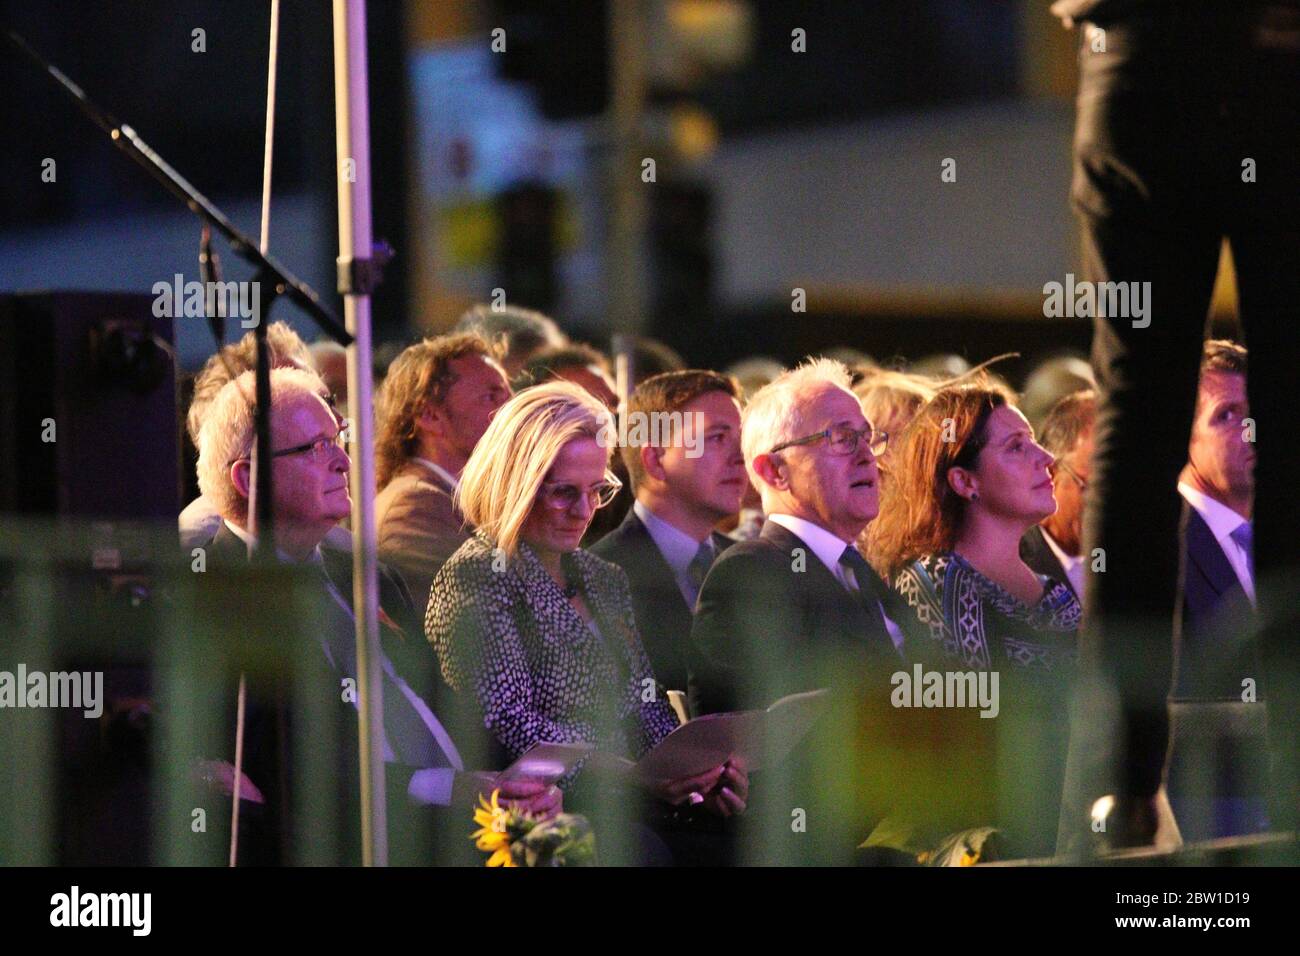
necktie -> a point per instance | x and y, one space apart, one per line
1244 535
700 564
866 580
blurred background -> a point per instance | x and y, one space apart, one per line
795 147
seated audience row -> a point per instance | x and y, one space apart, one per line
898 524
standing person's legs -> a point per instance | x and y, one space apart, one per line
1140 160
1262 149
1147 377
1268 277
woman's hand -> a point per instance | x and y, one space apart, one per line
731 792
723 790
681 790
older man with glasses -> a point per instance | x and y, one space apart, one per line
310 486
798 608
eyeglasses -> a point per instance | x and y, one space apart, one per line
843 440
319 449
561 496
1074 475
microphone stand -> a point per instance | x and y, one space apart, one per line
271 279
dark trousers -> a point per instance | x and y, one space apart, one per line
1168 116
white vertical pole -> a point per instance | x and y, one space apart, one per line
352 137
624 243
627 193
265 236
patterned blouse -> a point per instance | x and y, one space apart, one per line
507 633
964 617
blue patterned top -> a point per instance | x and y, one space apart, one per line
966 618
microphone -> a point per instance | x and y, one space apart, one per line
210 273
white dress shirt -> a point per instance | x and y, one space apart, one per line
198 522
829 548
1222 521
677 547
1071 565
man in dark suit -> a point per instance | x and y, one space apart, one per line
687 470
310 472
798 609
1216 769
1055 547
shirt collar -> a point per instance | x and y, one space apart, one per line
438 470
1067 561
677 547
827 546
1221 519
314 558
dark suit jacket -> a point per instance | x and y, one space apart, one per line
1218 763
400 634
770 606
662 615
772 620
1038 554
269 758
1216 649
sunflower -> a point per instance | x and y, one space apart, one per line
491 837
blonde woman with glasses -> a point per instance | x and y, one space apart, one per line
540 632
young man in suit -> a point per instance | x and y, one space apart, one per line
311 495
433 407
686 479
798 609
1217 658
1217 483
1055 547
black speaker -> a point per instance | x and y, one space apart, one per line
88 407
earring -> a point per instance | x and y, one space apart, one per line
974 496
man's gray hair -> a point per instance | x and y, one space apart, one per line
775 414
1068 421
227 432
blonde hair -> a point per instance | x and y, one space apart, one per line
920 513
887 395
505 472
420 375
283 345
227 432
775 412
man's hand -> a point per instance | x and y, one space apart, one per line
532 796
219 776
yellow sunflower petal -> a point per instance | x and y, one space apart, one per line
501 858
